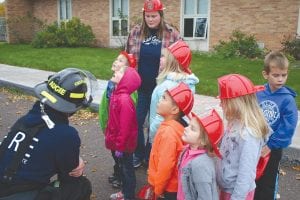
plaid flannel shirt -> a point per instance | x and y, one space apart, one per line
170 35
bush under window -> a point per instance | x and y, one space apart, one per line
70 33
239 45
291 47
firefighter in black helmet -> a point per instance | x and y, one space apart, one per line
42 144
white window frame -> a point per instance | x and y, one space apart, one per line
117 18
195 16
298 28
67 10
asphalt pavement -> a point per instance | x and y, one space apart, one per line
99 162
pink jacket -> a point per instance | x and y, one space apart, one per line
121 131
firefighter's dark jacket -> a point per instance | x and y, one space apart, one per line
53 151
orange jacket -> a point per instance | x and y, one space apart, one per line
167 145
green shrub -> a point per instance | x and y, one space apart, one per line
239 45
291 46
70 33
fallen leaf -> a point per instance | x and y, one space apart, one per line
297 168
281 172
93 196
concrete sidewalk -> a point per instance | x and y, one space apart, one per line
26 78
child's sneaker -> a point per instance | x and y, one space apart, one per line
112 178
116 184
136 162
117 196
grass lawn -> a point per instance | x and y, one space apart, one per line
206 66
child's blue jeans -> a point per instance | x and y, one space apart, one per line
128 176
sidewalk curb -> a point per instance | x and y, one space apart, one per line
26 78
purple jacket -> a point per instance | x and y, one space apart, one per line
121 131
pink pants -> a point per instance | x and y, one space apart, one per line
226 196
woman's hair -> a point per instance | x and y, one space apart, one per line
246 110
146 31
171 65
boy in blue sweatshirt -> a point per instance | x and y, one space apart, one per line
279 107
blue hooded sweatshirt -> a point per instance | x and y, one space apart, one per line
54 151
280 110
171 80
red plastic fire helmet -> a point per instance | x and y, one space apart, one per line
183 54
236 85
152 6
131 59
213 126
183 97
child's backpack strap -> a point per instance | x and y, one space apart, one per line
23 136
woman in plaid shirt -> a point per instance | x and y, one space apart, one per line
145 42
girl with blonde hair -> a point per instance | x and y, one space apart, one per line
174 66
243 138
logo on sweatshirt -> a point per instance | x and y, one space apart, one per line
270 110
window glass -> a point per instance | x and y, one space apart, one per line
115 27
201 27
62 9
65 9
120 17
124 25
125 8
202 7
189 7
68 9
116 6
188 27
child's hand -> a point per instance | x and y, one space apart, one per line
265 151
109 89
118 154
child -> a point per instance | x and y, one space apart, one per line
280 110
197 176
174 62
243 137
122 61
163 172
121 130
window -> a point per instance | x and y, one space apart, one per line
119 17
65 9
195 18
298 29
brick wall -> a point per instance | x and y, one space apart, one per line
19 26
96 14
46 11
268 20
